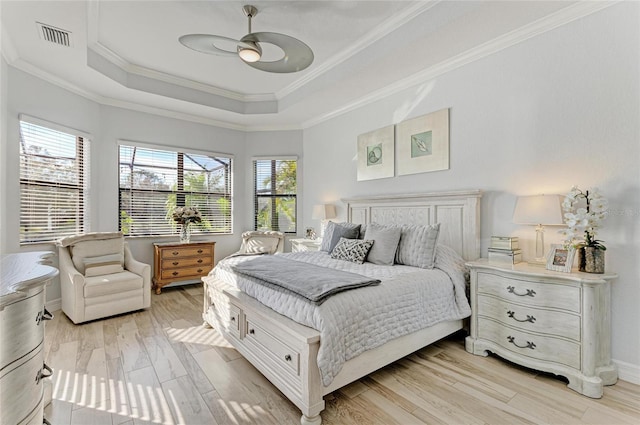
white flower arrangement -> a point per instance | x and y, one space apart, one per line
186 215
583 215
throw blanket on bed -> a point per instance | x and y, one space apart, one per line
314 283
408 299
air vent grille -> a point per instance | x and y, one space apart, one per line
54 35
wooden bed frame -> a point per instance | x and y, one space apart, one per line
285 352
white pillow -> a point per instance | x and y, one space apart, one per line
417 246
386 240
95 248
104 264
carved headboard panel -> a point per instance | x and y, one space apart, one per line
457 212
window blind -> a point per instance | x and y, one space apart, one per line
155 181
275 183
54 183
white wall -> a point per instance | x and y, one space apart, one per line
556 110
32 96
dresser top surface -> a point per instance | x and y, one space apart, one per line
182 245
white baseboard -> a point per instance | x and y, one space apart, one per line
628 372
54 305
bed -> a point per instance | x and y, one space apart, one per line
294 356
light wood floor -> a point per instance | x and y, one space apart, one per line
162 366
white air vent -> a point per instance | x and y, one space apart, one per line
54 35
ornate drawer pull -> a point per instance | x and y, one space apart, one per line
199 260
41 373
252 331
529 344
288 357
528 319
175 252
200 251
175 263
199 270
175 273
529 293
43 315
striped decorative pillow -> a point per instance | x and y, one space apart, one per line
104 264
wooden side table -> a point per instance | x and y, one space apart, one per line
181 263
299 245
550 321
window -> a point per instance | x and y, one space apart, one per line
275 194
153 182
54 181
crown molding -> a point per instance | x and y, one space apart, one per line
541 26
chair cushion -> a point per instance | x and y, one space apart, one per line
95 248
97 286
104 264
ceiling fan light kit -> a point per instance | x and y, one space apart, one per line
297 55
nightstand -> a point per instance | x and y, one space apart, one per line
549 321
181 263
299 245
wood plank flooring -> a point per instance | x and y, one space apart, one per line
161 366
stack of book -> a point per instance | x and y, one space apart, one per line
504 250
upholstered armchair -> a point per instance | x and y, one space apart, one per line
261 242
99 277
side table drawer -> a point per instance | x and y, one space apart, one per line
524 291
531 345
551 322
181 252
186 262
184 273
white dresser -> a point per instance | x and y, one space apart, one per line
550 321
299 245
22 315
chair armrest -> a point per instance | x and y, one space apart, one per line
141 269
71 287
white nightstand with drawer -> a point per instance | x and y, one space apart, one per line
550 321
302 244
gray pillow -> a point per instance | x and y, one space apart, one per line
417 246
334 231
386 240
354 250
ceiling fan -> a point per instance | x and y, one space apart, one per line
297 55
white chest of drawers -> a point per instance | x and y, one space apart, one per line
550 321
22 316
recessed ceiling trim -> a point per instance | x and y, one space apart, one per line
542 25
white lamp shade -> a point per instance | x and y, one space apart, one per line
539 209
323 212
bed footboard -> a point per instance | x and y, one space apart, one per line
284 351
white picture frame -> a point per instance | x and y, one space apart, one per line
423 143
560 259
376 154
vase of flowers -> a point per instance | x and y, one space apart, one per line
584 212
185 216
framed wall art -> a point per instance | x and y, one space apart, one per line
560 259
423 143
376 156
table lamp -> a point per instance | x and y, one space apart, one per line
539 210
323 212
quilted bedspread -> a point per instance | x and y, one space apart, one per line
351 322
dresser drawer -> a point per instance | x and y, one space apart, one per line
190 251
185 273
528 292
551 322
229 315
539 347
186 262
20 388
21 323
280 353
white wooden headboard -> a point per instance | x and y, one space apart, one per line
457 212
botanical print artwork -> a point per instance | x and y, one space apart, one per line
421 144
374 155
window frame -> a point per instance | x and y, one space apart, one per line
181 152
273 196
82 169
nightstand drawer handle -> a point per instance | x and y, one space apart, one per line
200 251
175 263
175 253
199 270
528 319
45 372
288 357
199 260
529 343
529 293
175 273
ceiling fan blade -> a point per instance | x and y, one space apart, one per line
297 55
205 43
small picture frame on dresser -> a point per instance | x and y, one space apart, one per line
560 259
